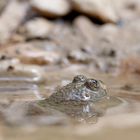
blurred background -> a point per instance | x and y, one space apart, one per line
63 38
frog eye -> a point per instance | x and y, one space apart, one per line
79 78
92 84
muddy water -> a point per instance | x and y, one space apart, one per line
120 118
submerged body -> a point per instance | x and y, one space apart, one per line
79 98
80 91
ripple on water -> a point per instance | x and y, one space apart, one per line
26 88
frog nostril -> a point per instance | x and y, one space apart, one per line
86 94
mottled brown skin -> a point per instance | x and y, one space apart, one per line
78 98
80 91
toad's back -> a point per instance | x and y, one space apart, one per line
80 90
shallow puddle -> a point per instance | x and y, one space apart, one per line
28 121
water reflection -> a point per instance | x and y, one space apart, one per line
29 111
42 113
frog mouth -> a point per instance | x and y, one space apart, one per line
98 95
85 97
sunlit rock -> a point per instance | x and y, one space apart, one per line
101 9
51 8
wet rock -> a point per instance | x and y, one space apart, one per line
77 56
29 53
109 33
108 65
36 28
13 70
40 58
51 8
17 38
130 65
101 9
86 28
127 9
9 24
66 37
108 52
